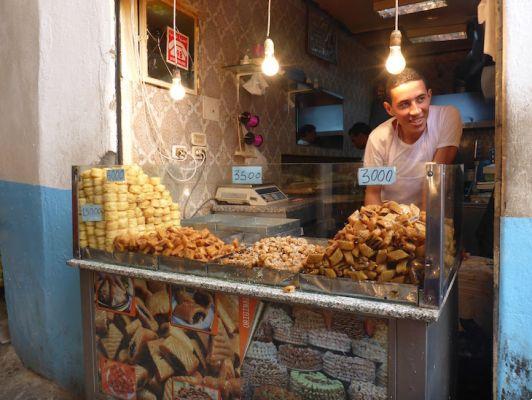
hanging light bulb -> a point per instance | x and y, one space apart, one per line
270 66
396 63
177 91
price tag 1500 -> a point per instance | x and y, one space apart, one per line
377 176
247 175
91 213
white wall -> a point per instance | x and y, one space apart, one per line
77 105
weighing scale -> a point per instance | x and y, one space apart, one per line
254 195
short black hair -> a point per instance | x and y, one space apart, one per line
307 128
359 128
408 75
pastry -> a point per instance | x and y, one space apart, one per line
369 349
111 343
360 390
220 350
308 319
262 351
180 357
300 358
191 393
270 392
181 336
329 340
276 315
316 386
350 324
348 368
138 342
227 309
101 323
290 334
190 312
132 327
159 303
163 369
145 316
141 376
145 394
199 353
264 372
381 376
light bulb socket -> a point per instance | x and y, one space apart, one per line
395 38
269 48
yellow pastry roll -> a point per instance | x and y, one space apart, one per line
110 206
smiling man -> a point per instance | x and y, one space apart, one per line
417 133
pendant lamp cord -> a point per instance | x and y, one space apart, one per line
174 32
396 14
269 8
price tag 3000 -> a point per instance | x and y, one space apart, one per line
377 176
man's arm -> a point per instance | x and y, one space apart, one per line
372 195
445 155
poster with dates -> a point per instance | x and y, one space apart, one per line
191 344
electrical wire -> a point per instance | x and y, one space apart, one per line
201 206
396 14
269 12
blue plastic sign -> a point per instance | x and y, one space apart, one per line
377 176
91 213
248 175
116 175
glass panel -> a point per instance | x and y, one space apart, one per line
303 219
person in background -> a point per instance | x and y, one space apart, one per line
306 135
416 134
359 134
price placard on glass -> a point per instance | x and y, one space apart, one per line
91 213
248 175
377 176
116 175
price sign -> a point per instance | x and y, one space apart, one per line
91 213
377 176
116 175
247 175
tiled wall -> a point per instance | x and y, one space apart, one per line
227 29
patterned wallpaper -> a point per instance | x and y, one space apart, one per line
227 29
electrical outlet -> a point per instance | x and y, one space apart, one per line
199 152
211 108
198 139
179 152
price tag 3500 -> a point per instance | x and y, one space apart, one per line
377 176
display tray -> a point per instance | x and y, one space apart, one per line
350 288
135 260
183 266
258 275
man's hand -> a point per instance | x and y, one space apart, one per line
445 155
373 195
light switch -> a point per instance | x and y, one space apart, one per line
211 108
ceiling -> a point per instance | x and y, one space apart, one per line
373 31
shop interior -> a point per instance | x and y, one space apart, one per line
267 150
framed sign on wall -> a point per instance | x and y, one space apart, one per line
321 35
159 56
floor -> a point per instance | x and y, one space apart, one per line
19 383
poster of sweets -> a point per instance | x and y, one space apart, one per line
178 343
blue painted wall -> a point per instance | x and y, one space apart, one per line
42 293
515 310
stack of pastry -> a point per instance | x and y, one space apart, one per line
316 386
382 243
348 368
360 390
139 204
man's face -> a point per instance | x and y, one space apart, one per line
410 105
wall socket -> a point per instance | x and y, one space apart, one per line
199 152
179 152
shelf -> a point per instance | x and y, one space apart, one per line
479 125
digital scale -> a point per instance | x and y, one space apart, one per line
254 195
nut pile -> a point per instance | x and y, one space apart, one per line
279 253
384 243
138 204
178 242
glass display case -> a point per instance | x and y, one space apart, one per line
292 289
406 253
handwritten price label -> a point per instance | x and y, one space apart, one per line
91 213
377 176
247 175
116 175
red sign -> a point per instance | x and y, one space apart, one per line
180 55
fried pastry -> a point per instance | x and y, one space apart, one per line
111 343
163 369
190 312
159 303
141 376
138 342
101 322
145 394
178 355
145 316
